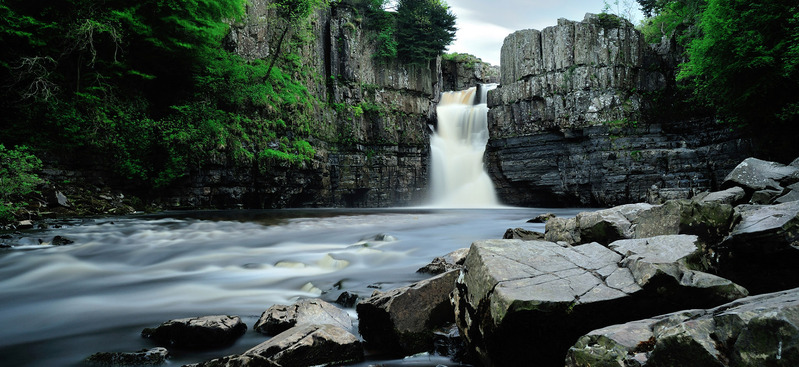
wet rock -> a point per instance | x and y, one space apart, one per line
543 218
280 318
522 234
198 332
347 299
310 345
61 199
733 196
61 241
766 196
25 224
762 250
519 301
791 195
754 331
754 174
402 321
144 357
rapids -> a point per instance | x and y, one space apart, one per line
61 304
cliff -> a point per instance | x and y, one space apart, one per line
371 135
575 122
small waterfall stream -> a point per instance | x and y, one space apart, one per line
458 176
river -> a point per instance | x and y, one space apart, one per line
60 304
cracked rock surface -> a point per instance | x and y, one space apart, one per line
753 331
520 301
280 318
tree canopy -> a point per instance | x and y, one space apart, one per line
424 29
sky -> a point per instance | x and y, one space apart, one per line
484 24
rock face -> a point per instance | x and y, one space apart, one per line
754 331
566 123
280 318
402 321
198 332
464 73
521 301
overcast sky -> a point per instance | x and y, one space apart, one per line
484 24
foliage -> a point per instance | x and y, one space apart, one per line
468 59
146 85
671 18
746 59
619 8
424 29
17 178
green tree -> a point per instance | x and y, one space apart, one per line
293 13
17 178
424 29
746 59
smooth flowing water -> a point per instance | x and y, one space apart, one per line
457 174
60 304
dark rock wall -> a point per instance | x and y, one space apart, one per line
571 123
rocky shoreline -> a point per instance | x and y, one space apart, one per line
706 281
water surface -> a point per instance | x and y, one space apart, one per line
60 304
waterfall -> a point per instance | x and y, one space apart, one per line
457 175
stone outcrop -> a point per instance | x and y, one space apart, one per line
280 318
519 301
403 321
463 71
764 182
753 331
569 123
198 332
147 357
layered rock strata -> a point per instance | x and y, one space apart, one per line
568 126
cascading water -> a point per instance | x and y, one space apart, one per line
458 177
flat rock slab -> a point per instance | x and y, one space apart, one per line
198 332
754 331
403 321
519 301
280 318
754 174
310 345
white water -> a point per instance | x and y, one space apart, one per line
61 304
457 175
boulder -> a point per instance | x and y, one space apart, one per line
733 195
543 218
754 331
347 299
762 250
519 301
198 332
754 174
522 234
402 321
280 318
603 226
710 220
152 357
310 345
442 264
791 195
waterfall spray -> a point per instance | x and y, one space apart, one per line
458 177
